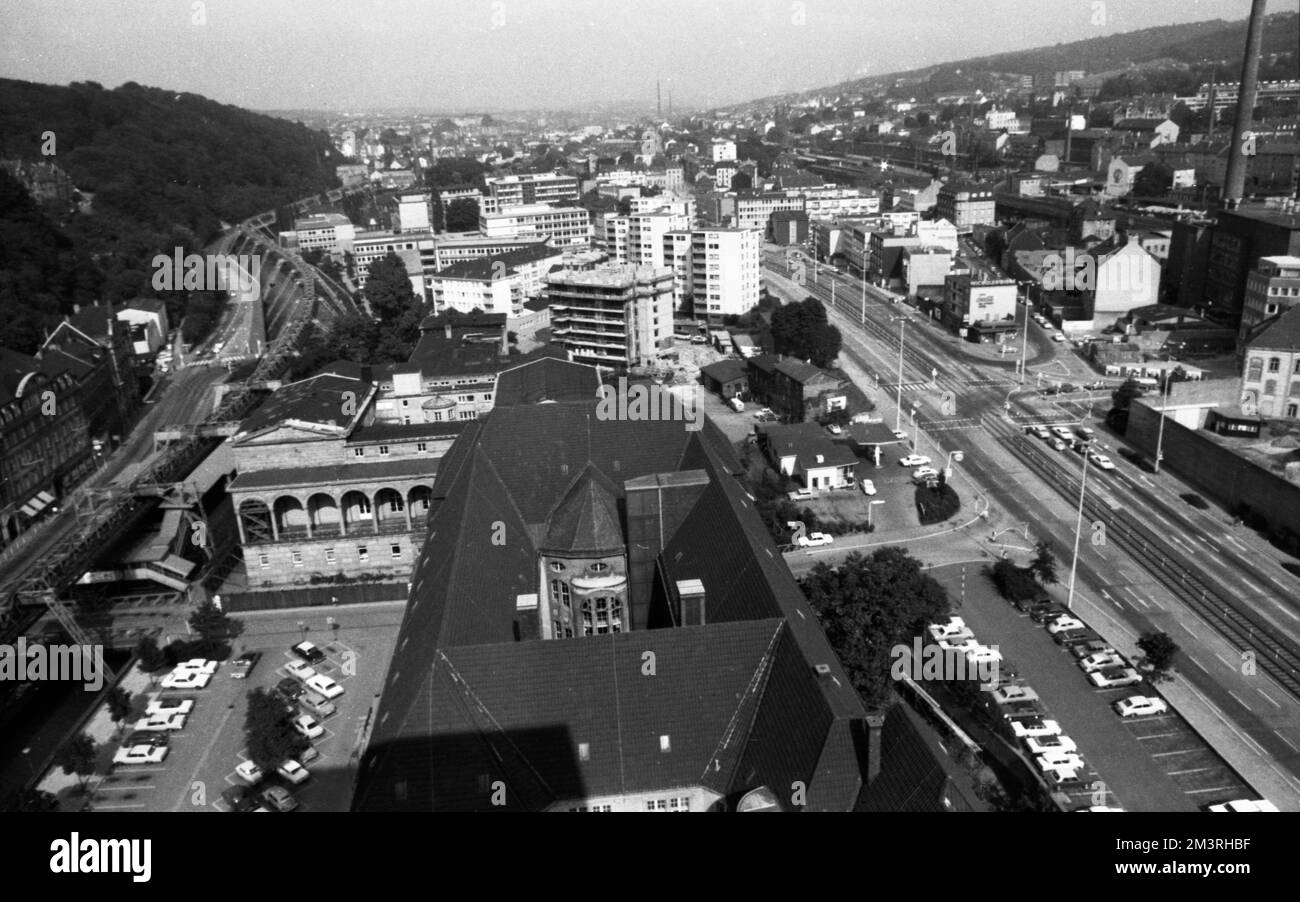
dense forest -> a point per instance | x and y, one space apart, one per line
155 170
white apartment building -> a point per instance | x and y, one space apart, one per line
646 233
752 211
528 189
720 150
564 226
719 268
832 201
413 213
937 233
368 247
664 203
329 232
723 173
613 315
611 235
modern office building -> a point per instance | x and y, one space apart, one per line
332 233
529 189
719 268
613 315
563 226
1272 287
965 206
1240 238
411 213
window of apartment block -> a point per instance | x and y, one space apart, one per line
363 553
383 450
297 558
264 560
1274 363
421 446
329 555
396 550
358 452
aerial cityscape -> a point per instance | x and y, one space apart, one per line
565 406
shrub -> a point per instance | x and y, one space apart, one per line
934 505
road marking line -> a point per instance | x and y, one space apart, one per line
1210 789
1239 701
1194 770
1279 582
1234 541
1179 752
1252 585
1197 663
1287 741
1226 662
1189 631
1267 696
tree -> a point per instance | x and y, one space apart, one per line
150 655
119 706
1158 651
1153 180
869 605
29 800
1013 582
78 756
462 215
1121 400
802 330
212 625
741 182
268 727
388 289
1044 564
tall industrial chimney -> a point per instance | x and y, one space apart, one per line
1234 184
659 100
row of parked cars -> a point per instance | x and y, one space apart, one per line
307 694
955 635
149 739
1076 439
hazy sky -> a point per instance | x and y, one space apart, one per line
513 54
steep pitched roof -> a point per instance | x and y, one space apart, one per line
1282 333
586 519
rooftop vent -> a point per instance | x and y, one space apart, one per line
584 751
823 669
665 745
527 602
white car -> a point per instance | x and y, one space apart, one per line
300 669
1101 660
953 629
966 645
249 772
330 689
293 771
1063 773
1101 460
1114 677
159 722
140 754
914 460
1063 433
1005 695
1035 726
868 487
899 434
169 706
199 665
834 430
923 474
1050 746
1057 336
1040 432
1245 805
982 654
1063 623
186 679
1140 706
810 540
308 726
1057 444
1059 761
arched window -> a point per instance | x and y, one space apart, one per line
602 615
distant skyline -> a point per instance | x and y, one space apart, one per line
536 54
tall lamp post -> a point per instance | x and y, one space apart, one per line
1024 342
1160 433
898 414
1078 525
863 321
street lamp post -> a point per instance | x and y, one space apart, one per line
1160 433
863 321
1078 526
1024 342
898 415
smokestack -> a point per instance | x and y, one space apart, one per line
1234 184
659 100
874 724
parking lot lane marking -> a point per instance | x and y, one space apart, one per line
1267 696
1287 741
1192 658
1279 582
1195 770
1226 662
99 806
1252 585
1177 752
1239 701
1212 789
203 759
1190 633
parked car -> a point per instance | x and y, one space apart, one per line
300 670
308 652
1050 745
249 772
1113 677
899 434
1244 805
1063 623
325 686
1007 694
239 798
924 474
834 430
1034 726
914 460
200 665
185 679
1057 336
1069 637
1040 432
812 539
140 754
169 706
1088 647
1100 661
161 722
290 689
293 771
1026 605
1140 706
868 487
279 799
952 628
146 737
308 726
1045 611
316 704
244 664
800 495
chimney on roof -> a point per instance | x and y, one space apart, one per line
446 330
690 597
875 723
76 308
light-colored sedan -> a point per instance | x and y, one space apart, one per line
330 689
808 541
293 771
1058 762
1050 745
1140 706
308 726
1005 695
952 628
169 706
1101 660
186 679
1034 726
1063 623
1114 677
914 460
140 754
924 474
161 722
249 772
301 670
1101 460
868 487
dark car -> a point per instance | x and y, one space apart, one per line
240 798
1069 637
1042 613
152 738
1026 605
1088 647
290 689
308 652
1195 500
244 665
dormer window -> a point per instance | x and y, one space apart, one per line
557 567
598 567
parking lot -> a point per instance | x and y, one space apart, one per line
204 754
1150 763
